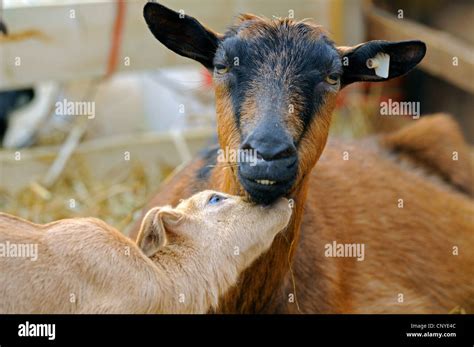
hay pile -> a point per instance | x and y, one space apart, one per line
118 200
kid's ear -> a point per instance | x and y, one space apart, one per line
387 60
156 224
181 33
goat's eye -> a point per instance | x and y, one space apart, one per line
333 79
215 199
221 69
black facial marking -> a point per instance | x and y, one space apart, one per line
281 64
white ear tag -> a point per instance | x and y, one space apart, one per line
381 64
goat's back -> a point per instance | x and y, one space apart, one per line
81 265
418 234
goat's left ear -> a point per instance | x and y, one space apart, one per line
181 33
157 224
358 62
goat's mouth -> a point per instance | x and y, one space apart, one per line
265 191
265 182
269 180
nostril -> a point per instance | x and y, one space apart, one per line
269 146
247 147
285 153
270 152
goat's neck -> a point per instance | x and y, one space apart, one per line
189 280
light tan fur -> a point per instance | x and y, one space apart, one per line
86 266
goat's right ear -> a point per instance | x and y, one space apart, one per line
181 33
401 57
154 228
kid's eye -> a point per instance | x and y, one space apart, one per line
215 199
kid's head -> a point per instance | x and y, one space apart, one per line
215 222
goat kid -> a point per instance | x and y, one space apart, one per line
183 260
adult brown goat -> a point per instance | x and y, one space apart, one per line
276 82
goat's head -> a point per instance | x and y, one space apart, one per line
276 84
216 223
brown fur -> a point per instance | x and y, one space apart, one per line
432 143
409 250
86 266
